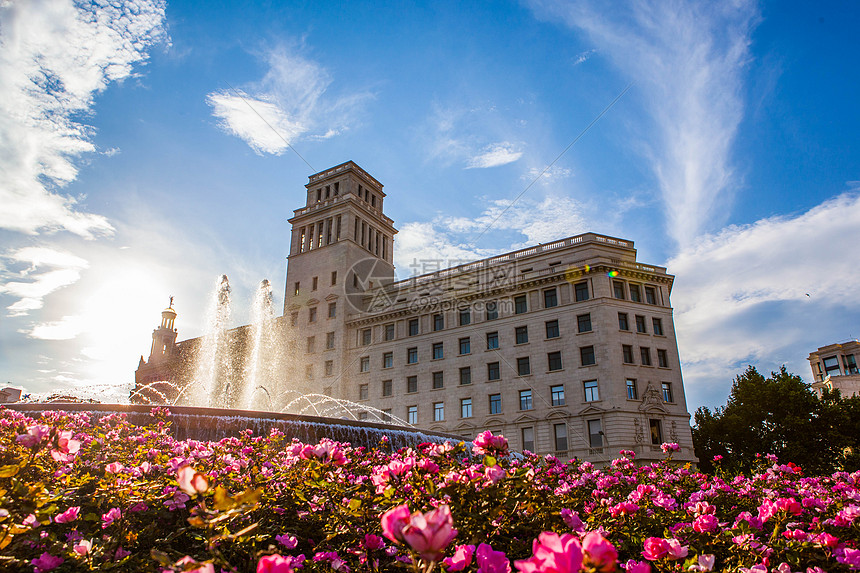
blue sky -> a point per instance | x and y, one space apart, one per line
131 170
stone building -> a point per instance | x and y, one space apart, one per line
835 367
565 347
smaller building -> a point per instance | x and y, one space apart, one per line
835 367
9 395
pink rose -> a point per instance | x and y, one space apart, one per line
637 567
287 540
35 434
553 553
275 564
114 468
429 533
46 562
70 514
490 561
487 443
83 547
112 515
393 522
599 552
675 550
655 548
705 523
191 481
462 558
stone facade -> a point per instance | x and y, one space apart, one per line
835 367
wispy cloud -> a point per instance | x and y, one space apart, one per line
289 103
31 287
64 329
56 56
546 176
688 61
495 155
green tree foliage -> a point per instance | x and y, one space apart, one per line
779 415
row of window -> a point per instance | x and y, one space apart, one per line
829 366
297 287
624 291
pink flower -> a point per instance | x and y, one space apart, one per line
176 502
637 567
111 516
83 547
553 553
462 558
287 540
705 563
31 521
114 468
46 562
490 561
655 548
494 474
599 552
34 435
275 564
393 522
669 448
70 514
371 542
675 550
705 523
429 533
191 481
201 567
572 520
66 444
487 443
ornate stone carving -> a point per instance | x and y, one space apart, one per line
639 435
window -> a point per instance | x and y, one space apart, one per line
667 392
362 392
656 432
583 322
650 295
438 351
552 329
465 375
595 434
586 355
329 340
465 407
580 291
495 403
387 388
492 310
366 336
311 343
525 399
388 360
465 345
640 325
365 364
831 366
333 278
622 321
592 393
294 318
560 431
411 384
520 304
645 354
312 315
362 415
618 289
850 364
412 414
522 334
557 395
528 439
627 354
329 367
658 326
493 372
411 356
553 360
314 282
439 411
635 293
465 317
550 298
296 289
523 368
632 392
413 327
662 359
438 322
389 332
492 340
438 380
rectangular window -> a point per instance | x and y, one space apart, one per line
333 278
438 380
493 372
411 384
632 392
662 359
465 375
465 317
831 366
592 393
580 291
528 439
583 322
413 327
438 322
552 329
618 289
550 298
366 336
850 364
364 364
388 360
658 326
314 282
412 415
387 388
520 304
560 431
332 309
523 367
465 407
439 411
635 293
296 289
492 340
627 354
311 343
595 434
389 332
586 355
645 354
438 351
312 315
465 345
622 321
656 432
329 367
495 403
522 334
329 340
411 356
553 360
294 318
650 295
640 325
492 310
362 392
525 399
667 392
557 395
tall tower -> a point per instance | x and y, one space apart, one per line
164 337
342 245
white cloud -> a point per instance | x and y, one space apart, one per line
64 329
31 287
687 60
545 176
583 57
287 104
495 155
57 54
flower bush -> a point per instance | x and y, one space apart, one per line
78 495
